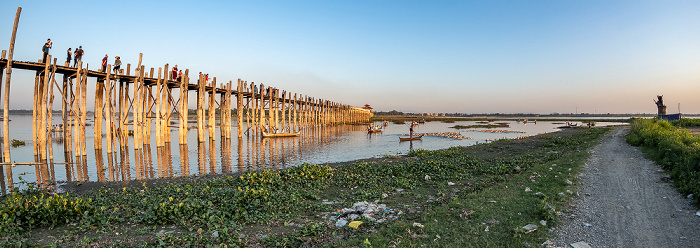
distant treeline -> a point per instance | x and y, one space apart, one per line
398 113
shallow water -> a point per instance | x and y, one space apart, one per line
316 146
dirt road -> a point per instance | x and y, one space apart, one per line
625 201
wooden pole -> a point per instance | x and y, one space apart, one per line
239 109
183 108
6 102
159 138
108 110
212 109
200 109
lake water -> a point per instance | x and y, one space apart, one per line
318 146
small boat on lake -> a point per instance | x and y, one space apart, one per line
410 138
375 130
279 135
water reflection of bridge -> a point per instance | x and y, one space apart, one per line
128 107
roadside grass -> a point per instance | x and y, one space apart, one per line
447 198
674 149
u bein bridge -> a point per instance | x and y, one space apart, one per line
133 104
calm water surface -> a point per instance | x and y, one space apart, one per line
317 146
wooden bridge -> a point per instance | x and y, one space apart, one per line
129 103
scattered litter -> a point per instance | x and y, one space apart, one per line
416 224
543 223
527 189
399 190
384 195
341 223
690 196
450 183
561 194
586 224
567 181
355 224
569 192
427 178
436 237
530 228
491 201
369 210
367 242
580 244
215 234
487 229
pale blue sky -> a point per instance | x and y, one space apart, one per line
414 56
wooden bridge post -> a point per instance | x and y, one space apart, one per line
108 110
6 100
183 108
239 109
159 122
212 110
200 109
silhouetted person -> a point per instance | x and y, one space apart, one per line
78 55
69 57
45 49
117 64
104 64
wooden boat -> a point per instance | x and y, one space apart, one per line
279 135
57 130
374 130
410 138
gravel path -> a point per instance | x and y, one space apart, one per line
626 202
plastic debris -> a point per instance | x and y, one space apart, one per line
580 244
371 211
355 224
416 224
450 183
427 178
367 242
586 224
527 189
530 228
341 223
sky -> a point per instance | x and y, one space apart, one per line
524 56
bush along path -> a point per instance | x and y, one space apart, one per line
501 194
627 201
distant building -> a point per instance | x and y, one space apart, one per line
367 107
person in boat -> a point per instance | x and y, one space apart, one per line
410 131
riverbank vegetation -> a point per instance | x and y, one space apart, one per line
675 149
488 195
495 125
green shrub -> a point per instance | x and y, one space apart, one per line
676 150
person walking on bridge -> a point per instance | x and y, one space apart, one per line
69 56
104 64
45 49
78 56
117 64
